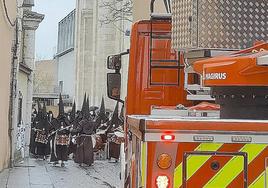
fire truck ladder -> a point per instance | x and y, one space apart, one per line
162 64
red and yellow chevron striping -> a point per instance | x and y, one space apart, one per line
195 162
233 168
196 181
255 170
230 172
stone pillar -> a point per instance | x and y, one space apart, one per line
31 21
84 49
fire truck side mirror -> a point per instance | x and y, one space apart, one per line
114 62
114 86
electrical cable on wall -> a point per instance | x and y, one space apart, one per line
7 16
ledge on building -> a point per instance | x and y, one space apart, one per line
25 69
64 52
49 95
31 20
28 3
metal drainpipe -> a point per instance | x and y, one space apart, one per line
13 89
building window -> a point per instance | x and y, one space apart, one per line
66 29
50 102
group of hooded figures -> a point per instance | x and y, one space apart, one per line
81 133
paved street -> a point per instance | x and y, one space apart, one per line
39 174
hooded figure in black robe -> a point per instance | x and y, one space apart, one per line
74 119
84 150
35 120
101 117
41 137
61 136
115 139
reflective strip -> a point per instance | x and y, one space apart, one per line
143 163
231 170
259 182
217 137
194 162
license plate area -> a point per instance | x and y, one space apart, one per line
215 165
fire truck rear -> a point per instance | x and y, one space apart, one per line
173 140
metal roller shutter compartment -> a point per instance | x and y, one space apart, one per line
218 24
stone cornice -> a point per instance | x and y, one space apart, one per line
31 20
64 52
28 3
24 68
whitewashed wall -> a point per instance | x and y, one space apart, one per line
66 73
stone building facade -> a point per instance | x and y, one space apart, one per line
22 78
46 77
94 41
141 9
46 89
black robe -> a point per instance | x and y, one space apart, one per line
59 152
114 150
32 146
114 143
84 151
42 148
72 146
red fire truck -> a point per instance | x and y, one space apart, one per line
173 141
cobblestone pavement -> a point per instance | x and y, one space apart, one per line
40 174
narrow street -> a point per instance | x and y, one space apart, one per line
40 174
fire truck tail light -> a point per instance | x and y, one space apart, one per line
164 161
162 181
168 137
